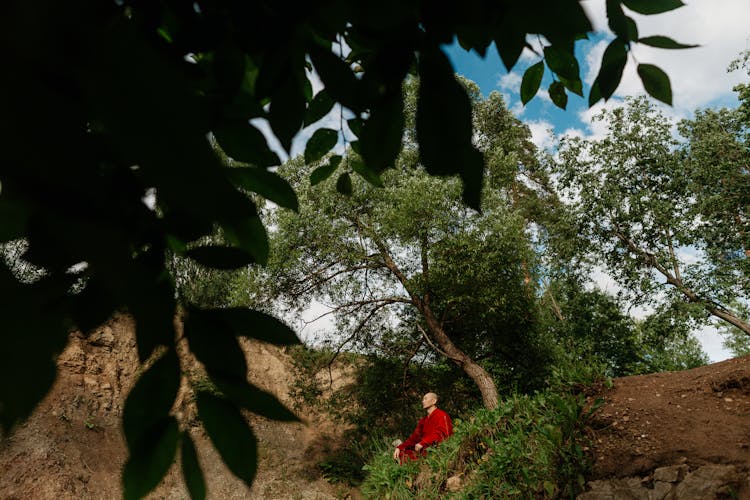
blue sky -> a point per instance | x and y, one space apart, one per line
699 77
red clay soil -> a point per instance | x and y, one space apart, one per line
698 417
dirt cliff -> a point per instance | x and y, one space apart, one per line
73 447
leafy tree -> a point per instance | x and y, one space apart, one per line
636 200
666 341
591 328
716 155
411 252
388 249
110 100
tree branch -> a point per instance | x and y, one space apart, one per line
673 257
354 334
360 304
406 366
436 348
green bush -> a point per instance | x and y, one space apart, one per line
531 446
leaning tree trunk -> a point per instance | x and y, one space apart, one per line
476 373
674 278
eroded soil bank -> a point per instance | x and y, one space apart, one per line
72 447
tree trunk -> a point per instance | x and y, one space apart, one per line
476 373
676 281
730 318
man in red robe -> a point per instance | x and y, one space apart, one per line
432 429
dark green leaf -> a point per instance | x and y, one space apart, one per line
575 86
617 20
656 82
150 401
150 462
444 125
230 434
613 63
249 234
562 62
355 125
257 325
356 147
13 217
366 173
652 6
595 94
191 469
31 342
245 143
219 257
320 106
324 172
267 184
321 142
344 184
632 29
510 42
249 397
532 78
338 78
307 90
93 306
215 344
664 42
287 112
152 304
558 95
381 135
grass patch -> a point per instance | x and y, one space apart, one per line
529 447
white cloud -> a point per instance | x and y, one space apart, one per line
713 343
541 133
510 81
698 75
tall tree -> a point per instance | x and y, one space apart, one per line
640 204
465 279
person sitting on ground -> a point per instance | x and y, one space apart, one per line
431 430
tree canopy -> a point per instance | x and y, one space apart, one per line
109 103
668 218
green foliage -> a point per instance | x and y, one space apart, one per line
343 466
139 89
593 335
230 434
646 203
531 446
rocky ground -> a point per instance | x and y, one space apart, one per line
675 435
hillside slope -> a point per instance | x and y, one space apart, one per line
73 446
692 422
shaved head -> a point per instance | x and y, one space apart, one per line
428 400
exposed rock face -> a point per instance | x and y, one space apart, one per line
677 482
72 447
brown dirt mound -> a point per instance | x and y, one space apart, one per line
73 446
697 417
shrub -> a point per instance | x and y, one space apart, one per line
530 446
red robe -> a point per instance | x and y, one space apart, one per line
430 430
